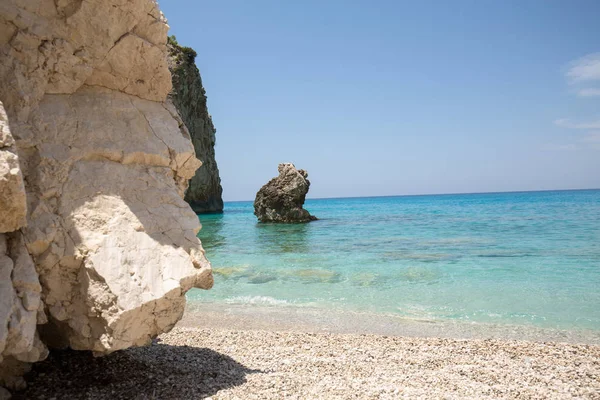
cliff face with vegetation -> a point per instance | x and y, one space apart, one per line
97 246
189 96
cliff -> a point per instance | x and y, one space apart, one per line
97 245
189 97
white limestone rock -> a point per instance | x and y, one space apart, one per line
13 206
20 303
105 161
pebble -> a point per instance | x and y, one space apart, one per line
236 364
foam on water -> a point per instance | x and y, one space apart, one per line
256 300
518 259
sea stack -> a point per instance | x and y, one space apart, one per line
282 198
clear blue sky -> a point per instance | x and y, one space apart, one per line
397 97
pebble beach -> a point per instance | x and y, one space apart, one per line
192 363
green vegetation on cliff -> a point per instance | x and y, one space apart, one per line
189 97
176 50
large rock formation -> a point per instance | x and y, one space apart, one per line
13 205
282 198
188 95
20 292
97 245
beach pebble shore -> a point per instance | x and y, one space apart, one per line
190 363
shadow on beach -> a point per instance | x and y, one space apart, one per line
159 371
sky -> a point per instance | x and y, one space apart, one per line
381 97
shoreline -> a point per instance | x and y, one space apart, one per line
264 364
318 320
222 351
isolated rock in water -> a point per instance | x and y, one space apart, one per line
188 95
282 198
98 162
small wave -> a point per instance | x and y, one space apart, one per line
258 300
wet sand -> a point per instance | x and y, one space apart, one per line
318 320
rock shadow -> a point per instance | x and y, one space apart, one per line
158 371
211 232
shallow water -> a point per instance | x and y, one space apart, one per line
514 259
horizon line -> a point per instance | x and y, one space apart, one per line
434 194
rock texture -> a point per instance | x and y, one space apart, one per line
282 198
98 245
20 292
13 205
21 310
188 95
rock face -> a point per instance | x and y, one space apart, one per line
13 205
188 95
21 308
97 246
282 198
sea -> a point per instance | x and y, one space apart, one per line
489 262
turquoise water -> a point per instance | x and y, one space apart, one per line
530 258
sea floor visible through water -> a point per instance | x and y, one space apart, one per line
508 265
